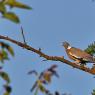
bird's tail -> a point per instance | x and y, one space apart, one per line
93 59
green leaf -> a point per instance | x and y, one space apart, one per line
11 16
6 93
14 3
8 47
36 91
1 57
11 51
5 76
2 8
42 88
5 54
8 88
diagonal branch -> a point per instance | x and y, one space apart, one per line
47 57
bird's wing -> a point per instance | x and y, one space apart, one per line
80 54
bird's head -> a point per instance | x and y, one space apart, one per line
66 45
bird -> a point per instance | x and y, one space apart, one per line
78 55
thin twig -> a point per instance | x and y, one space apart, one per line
23 35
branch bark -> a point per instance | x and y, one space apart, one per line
52 58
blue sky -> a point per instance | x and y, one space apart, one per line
49 24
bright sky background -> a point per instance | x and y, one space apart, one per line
49 24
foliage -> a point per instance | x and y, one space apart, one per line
5 76
91 49
8 14
93 93
5 50
8 90
44 78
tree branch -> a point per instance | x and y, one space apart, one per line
47 57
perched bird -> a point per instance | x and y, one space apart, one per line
78 55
